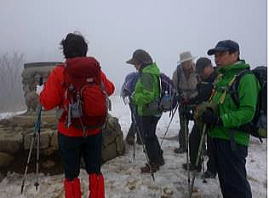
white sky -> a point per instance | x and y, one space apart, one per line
116 28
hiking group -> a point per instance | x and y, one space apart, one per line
227 102
200 92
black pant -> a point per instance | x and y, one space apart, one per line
147 126
182 133
211 163
231 169
194 142
73 148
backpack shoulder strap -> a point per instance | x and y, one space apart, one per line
234 84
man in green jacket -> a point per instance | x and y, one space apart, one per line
230 145
145 97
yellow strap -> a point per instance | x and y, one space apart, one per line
223 96
214 90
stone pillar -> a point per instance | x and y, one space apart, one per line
30 78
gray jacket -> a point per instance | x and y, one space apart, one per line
185 86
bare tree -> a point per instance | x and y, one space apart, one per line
11 92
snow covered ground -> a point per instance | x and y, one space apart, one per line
123 178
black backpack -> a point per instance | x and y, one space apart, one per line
258 126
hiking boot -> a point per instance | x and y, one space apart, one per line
130 139
180 150
146 169
191 167
208 175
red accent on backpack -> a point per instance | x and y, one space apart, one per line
85 94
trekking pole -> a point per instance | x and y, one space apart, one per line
143 146
133 128
35 139
197 159
173 114
134 147
37 150
187 145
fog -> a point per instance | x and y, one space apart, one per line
114 29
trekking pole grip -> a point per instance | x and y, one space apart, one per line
40 81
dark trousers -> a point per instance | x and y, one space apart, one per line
211 163
73 148
147 126
182 133
231 169
194 142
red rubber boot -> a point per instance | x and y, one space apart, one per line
96 186
72 188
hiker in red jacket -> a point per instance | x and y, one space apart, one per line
75 142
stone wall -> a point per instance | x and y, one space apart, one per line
17 133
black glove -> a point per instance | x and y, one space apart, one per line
187 113
210 118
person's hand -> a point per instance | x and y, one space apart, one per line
210 118
39 89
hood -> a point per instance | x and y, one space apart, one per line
153 69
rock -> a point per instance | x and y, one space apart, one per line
1 177
113 144
48 164
10 142
18 142
131 183
54 140
5 159
168 191
196 193
44 139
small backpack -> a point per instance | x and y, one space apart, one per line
87 100
168 94
128 86
258 126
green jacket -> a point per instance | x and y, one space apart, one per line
231 115
147 90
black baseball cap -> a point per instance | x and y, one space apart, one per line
140 57
223 46
202 63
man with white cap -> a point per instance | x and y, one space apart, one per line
185 80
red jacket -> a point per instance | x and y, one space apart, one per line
53 96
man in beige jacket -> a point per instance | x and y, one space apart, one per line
185 80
